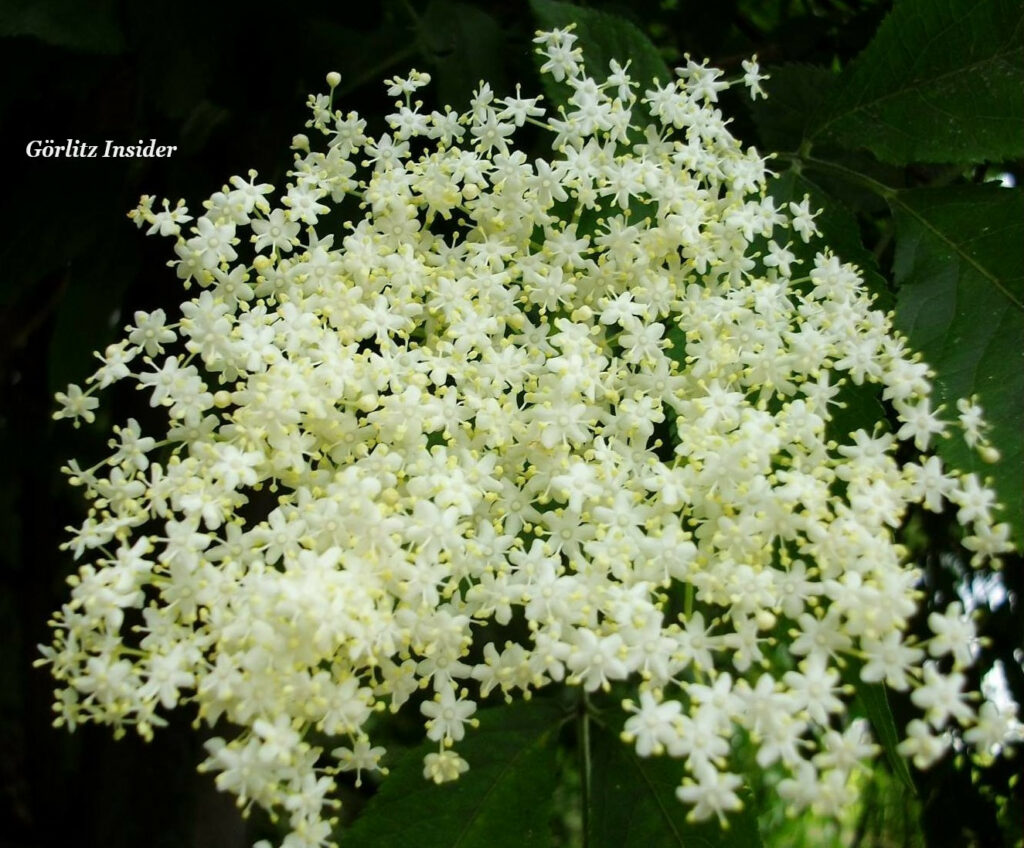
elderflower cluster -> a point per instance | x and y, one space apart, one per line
586 396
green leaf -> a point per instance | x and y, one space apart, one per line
633 804
92 27
603 37
88 312
501 802
363 58
960 267
795 93
839 231
940 82
858 407
464 45
876 708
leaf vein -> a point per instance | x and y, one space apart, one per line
958 249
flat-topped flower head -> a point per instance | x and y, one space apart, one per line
548 393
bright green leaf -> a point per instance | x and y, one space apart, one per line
501 802
960 267
940 82
633 804
876 708
603 37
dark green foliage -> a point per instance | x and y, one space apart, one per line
633 804
603 37
513 760
940 82
794 94
960 270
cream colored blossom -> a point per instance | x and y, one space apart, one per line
515 417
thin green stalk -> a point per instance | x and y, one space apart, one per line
842 171
376 71
584 713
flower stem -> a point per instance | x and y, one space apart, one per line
842 171
411 49
584 730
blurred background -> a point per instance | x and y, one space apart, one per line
227 83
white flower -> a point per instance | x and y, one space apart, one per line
359 758
996 728
713 794
942 697
922 745
752 78
276 232
444 766
76 404
954 634
151 332
655 726
447 716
